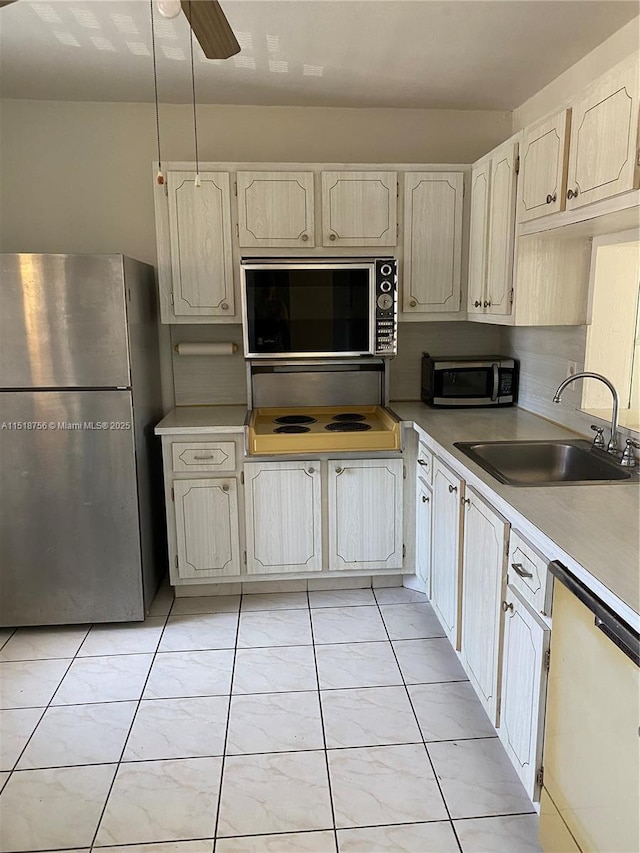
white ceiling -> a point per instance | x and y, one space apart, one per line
458 54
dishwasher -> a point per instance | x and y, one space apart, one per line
591 783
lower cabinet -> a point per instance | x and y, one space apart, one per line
424 508
486 538
207 535
365 513
448 491
524 690
284 517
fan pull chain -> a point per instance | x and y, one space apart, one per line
193 89
160 175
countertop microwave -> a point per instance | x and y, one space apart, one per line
319 307
451 381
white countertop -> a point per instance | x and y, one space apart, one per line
191 420
596 526
593 529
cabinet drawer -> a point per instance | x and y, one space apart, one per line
425 463
203 455
527 572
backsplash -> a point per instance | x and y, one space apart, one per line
544 353
201 380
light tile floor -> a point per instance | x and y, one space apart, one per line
338 720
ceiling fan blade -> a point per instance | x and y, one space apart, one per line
211 28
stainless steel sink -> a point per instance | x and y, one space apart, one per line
546 463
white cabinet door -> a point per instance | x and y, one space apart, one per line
543 162
200 237
486 535
524 688
365 513
448 490
423 535
479 235
604 138
207 532
502 220
432 241
359 208
275 209
284 517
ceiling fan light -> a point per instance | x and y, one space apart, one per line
169 8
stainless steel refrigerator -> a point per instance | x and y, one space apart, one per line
81 534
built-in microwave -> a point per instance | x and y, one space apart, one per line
319 307
469 380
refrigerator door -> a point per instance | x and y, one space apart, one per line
69 538
63 322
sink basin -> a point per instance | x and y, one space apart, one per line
545 463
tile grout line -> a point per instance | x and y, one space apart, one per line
324 734
44 710
226 730
433 769
133 719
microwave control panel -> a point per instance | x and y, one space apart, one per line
386 306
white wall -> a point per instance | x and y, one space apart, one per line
76 177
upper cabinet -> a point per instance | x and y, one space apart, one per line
275 209
604 138
432 241
200 244
491 243
543 165
359 208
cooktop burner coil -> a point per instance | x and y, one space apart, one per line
348 416
291 428
348 426
295 419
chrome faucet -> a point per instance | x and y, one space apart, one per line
612 447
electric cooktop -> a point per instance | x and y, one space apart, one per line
322 429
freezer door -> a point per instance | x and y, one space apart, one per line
63 322
69 539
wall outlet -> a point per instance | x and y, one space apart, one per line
572 368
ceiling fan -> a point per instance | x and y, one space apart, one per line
206 19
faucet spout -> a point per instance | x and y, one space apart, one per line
612 447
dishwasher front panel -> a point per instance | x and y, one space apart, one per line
592 748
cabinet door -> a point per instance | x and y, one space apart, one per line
200 236
502 220
432 241
359 208
423 535
604 136
479 234
207 527
524 688
275 209
543 166
448 490
284 517
486 535
365 513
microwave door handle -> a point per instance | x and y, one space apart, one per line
496 382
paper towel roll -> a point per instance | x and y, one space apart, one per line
204 348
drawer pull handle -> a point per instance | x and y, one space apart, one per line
203 456
413 303
422 462
477 304
224 306
507 606
311 470
519 569
332 237
552 198
465 501
305 237
572 193
425 499
225 488
452 489
339 470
